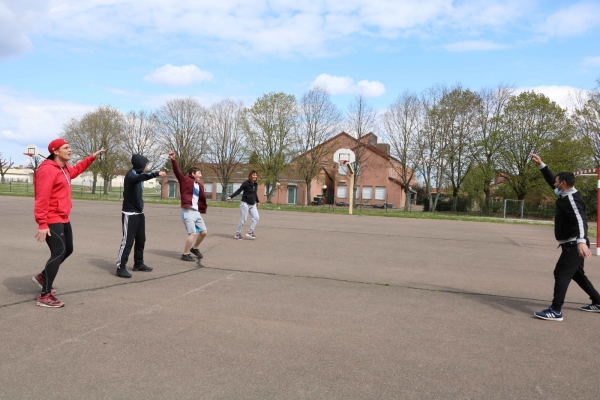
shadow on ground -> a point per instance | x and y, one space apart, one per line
21 285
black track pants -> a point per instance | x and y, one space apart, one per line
134 229
570 266
60 242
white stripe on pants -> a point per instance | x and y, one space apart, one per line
245 208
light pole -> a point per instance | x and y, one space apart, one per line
324 194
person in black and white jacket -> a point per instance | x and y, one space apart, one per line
570 230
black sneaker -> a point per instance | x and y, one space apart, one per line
142 267
591 308
196 252
187 257
123 273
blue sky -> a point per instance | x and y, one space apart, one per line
61 58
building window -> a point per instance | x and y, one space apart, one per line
172 190
343 169
367 193
342 191
228 191
357 192
380 193
208 187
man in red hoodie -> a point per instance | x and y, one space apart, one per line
52 182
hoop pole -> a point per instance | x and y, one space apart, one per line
598 215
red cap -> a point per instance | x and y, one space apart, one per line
56 144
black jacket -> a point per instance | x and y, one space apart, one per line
570 220
132 186
250 195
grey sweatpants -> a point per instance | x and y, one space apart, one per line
245 208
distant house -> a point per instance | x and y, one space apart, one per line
19 175
378 180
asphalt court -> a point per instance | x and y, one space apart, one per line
320 306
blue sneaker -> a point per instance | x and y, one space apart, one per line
591 308
549 314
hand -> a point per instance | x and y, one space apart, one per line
172 155
98 152
162 173
257 205
228 199
41 234
536 159
584 251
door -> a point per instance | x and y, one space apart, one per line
172 189
292 195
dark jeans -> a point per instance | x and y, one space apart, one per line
60 242
570 266
134 229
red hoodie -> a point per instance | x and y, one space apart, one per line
53 191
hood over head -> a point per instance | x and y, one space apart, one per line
139 163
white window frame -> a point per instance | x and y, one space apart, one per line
367 192
380 192
343 169
342 189
208 187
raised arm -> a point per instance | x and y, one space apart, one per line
548 175
180 177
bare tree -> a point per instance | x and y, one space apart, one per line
319 121
489 139
140 136
458 111
432 144
183 129
403 122
4 166
98 129
361 120
587 119
270 126
226 144
35 161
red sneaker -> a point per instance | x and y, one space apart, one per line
39 279
49 301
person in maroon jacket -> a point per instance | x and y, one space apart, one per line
193 204
52 182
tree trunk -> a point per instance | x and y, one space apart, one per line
406 198
308 199
486 202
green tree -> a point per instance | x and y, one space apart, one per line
270 126
532 123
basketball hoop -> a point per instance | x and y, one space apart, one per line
29 154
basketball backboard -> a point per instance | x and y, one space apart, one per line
32 150
344 156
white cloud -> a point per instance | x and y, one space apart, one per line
571 21
280 27
591 62
28 119
18 19
171 75
344 85
475 45
562 95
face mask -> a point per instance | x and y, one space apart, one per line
557 191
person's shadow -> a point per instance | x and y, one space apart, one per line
21 285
